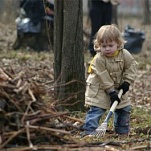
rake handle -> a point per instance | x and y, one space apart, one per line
114 105
112 109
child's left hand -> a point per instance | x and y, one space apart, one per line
124 86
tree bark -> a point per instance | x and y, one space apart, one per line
146 12
8 10
114 17
58 40
68 54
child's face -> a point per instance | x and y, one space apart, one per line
108 48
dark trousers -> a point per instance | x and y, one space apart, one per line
100 14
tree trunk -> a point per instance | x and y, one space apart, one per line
68 54
146 12
8 10
58 40
114 17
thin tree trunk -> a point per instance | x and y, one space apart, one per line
146 12
114 17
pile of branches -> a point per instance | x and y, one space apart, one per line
26 120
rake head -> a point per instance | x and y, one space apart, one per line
100 131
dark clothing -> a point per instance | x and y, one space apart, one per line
34 9
100 14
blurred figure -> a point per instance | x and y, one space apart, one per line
100 12
33 9
35 18
36 10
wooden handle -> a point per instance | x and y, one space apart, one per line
112 109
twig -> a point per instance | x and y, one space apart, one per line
28 134
32 96
24 87
141 147
49 129
43 117
29 104
17 77
73 118
11 100
18 83
11 137
7 86
4 76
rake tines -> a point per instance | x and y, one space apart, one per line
100 131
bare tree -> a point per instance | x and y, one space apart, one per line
68 54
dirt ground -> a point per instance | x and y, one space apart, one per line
140 95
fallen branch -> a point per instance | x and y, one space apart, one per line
146 147
11 137
49 129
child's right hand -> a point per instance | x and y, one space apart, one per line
114 97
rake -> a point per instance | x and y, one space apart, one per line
101 130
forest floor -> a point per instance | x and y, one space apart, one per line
140 94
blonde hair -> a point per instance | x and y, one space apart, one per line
108 33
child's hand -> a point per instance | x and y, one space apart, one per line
114 97
125 86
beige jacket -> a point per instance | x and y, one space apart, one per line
108 73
